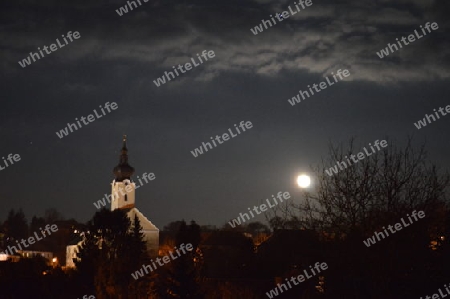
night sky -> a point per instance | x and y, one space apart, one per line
250 78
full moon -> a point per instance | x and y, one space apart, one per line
303 181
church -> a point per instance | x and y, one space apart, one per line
123 191
123 195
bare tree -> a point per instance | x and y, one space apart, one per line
378 189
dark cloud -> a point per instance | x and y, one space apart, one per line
250 78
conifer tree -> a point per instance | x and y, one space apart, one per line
112 250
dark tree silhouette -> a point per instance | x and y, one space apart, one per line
16 226
257 227
51 215
36 224
180 279
173 226
351 205
113 249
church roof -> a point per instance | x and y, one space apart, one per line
145 223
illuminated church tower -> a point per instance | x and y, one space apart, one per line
123 189
123 197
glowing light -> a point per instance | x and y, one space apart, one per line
304 181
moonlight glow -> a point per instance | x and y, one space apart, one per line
303 181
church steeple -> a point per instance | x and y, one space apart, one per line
123 171
124 152
123 197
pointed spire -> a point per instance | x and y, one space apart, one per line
124 142
123 170
124 148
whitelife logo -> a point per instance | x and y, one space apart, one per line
385 52
124 9
280 16
423 123
393 229
102 202
440 295
342 165
263 207
31 240
159 81
10 158
64 132
322 85
166 259
301 278
199 151
53 48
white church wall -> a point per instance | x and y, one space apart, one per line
123 194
